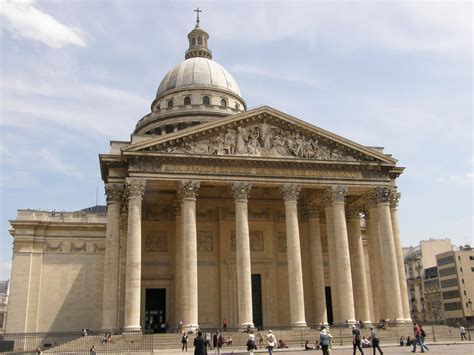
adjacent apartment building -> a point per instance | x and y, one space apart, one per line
4 291
456 273
422 279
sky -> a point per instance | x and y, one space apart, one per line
77 74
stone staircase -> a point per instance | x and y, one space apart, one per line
294 339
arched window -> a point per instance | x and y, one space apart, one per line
187 100
206 100
200 41
194 41
237 106
170 103
223 103
158 106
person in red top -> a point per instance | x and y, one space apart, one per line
417 333
224 325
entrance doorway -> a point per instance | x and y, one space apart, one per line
329 305
155 310
257 310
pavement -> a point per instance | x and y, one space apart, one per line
465 348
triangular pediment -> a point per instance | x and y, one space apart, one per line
260 133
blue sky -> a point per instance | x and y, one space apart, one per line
77 74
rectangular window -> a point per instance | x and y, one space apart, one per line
450 294
449 283
471 257
446 260
448 271
452 306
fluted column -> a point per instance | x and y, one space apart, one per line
359 280
332 256
344 277
178 273
188 193
133 273
242 239
317 267
402 280
371 230
110 293
295 273
390 269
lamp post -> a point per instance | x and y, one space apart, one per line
469 305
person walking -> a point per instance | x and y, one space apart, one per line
423 335
199 345
219 342
462 331
224 325
325 340
251 345
184 341
356 340
93 350
375 340
417 340
271 342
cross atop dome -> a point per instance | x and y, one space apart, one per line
198 41
197 11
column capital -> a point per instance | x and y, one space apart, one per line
353 212
371 199
189 189
383 194
312 210
290 192
135 187
114 192
241 190
394 198
335 193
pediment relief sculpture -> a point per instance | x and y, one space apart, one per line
265 140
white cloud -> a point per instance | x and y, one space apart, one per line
438 27
459 179
25 20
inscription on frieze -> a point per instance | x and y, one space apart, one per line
205 241
156 241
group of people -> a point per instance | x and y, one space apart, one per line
202 344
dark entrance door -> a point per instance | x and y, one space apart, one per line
155 309
257 311
329 304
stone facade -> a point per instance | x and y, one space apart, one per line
253 216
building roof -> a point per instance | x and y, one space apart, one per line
4 286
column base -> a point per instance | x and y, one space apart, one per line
190 328
397 321
132 330
299 325
344 323
245 326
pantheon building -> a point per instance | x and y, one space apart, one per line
217 212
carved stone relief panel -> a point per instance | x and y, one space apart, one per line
256 241
281 242
78 247
259 213
267 140
208 214
158 213
55 247
156 241
205 241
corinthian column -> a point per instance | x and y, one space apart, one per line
402 281
390 269
110 293
295 274
178 272
244 272
344 277
361 295
317 267
332 256
188 192
371 229
133 273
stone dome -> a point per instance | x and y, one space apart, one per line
198 72
195 91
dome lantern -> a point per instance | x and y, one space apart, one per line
198 41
